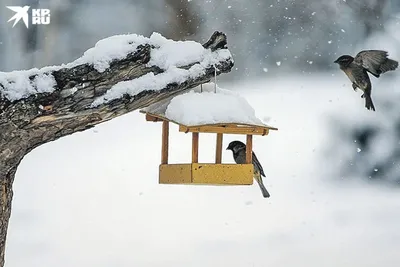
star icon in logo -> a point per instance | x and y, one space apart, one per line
21 13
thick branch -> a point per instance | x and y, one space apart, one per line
47 116
26 123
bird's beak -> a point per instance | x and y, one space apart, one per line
335 61
227 148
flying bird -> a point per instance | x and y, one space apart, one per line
239 155
375 62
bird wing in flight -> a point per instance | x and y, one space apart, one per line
375 62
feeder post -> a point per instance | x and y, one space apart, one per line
249 148
195 147
218 150
165 141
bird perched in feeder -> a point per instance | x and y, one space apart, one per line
375 62
239 155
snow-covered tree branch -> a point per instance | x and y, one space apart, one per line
120 74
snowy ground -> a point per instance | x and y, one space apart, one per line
92 199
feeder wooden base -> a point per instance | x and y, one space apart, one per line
206 174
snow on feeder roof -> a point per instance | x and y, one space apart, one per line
204 107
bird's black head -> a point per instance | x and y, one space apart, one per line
235 145
344 60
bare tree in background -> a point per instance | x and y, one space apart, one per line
30 37
61 21
183 21
369 12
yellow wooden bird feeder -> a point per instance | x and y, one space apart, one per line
205 173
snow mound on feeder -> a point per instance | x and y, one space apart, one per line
195 108
207 107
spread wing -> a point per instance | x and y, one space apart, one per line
375 62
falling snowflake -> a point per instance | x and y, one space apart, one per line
278 63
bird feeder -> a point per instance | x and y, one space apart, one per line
195 172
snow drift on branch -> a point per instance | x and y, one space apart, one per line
170 56
166 54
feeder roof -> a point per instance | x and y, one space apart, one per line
207 108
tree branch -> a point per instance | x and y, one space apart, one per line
71 106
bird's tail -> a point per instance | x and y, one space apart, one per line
264 190
368 102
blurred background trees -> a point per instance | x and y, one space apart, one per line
265 35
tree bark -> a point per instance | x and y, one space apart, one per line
41 118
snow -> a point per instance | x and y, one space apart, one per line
208 104
195 108
44 83
109 49
167 54
175 53
17 84
146 82
311 219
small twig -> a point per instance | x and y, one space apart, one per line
215 79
